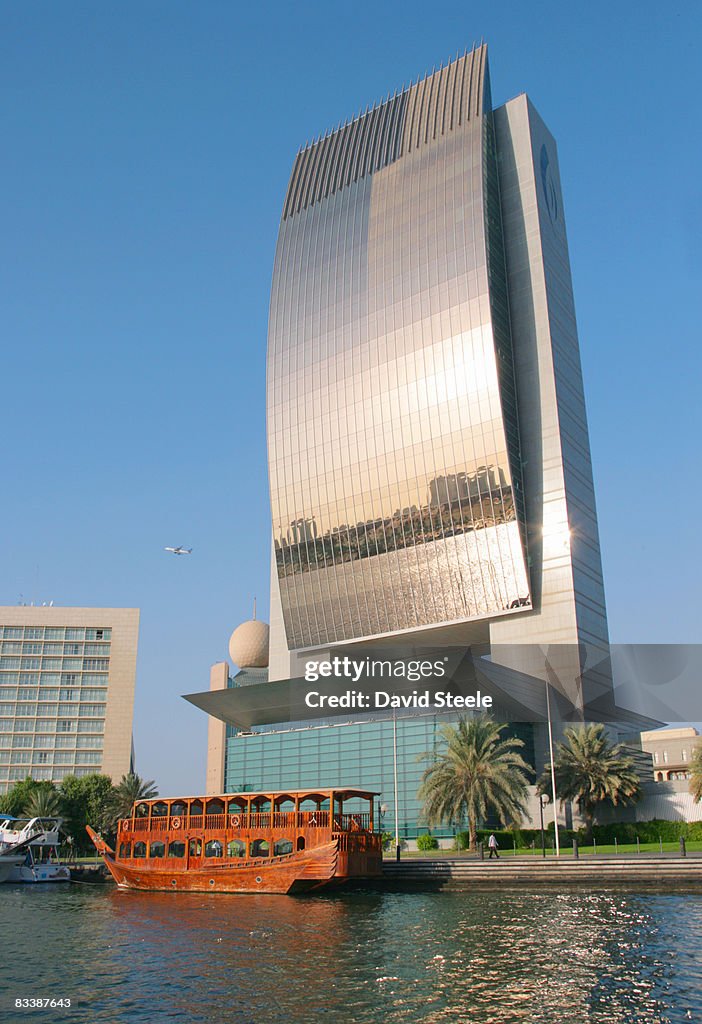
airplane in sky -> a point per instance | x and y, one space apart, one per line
179 550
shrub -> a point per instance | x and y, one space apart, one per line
427 842
647 831
387 838
462 841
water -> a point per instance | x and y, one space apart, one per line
502 957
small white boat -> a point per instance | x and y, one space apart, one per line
29 850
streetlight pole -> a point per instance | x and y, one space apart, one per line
394 765
541 813
553 771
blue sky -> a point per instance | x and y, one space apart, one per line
146 153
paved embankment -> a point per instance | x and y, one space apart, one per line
467 873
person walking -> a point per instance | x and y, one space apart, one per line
492 846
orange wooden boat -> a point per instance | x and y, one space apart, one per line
246 842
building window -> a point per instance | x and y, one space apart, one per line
684 754
665 757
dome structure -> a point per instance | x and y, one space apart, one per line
248 644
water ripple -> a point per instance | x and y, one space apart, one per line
483 958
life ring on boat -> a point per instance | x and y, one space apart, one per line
124 825
235 820
175 823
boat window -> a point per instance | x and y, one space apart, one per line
159 810
196 807
158 849
285 804
260 848
142 811
125 850
236 848
281 847
178 809
215 807
300 842
195 847
213 848
140 849
176 849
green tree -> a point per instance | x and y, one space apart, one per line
44 802
16 799
86 801
479 772
696 773
131 789
591 771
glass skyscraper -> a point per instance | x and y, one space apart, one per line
428 446
396 481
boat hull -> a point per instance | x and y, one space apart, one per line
39 873
297 872
8 864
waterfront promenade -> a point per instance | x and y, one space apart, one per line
654 870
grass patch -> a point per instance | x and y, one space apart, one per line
628 849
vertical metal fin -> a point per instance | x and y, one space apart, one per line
428 109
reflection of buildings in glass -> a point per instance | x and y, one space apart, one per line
458 487
302 531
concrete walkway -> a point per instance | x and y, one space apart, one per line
601 870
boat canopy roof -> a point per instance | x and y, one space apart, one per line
340 793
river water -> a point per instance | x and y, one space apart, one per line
503 956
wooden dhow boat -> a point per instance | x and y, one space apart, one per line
273 842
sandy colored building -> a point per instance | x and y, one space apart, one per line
67 678
671 750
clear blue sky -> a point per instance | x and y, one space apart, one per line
147 148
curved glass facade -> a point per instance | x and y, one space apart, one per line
392 423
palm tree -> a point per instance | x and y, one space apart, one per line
696 773
590 770
43 802
131 789
478 772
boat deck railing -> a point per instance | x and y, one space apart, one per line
247 821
